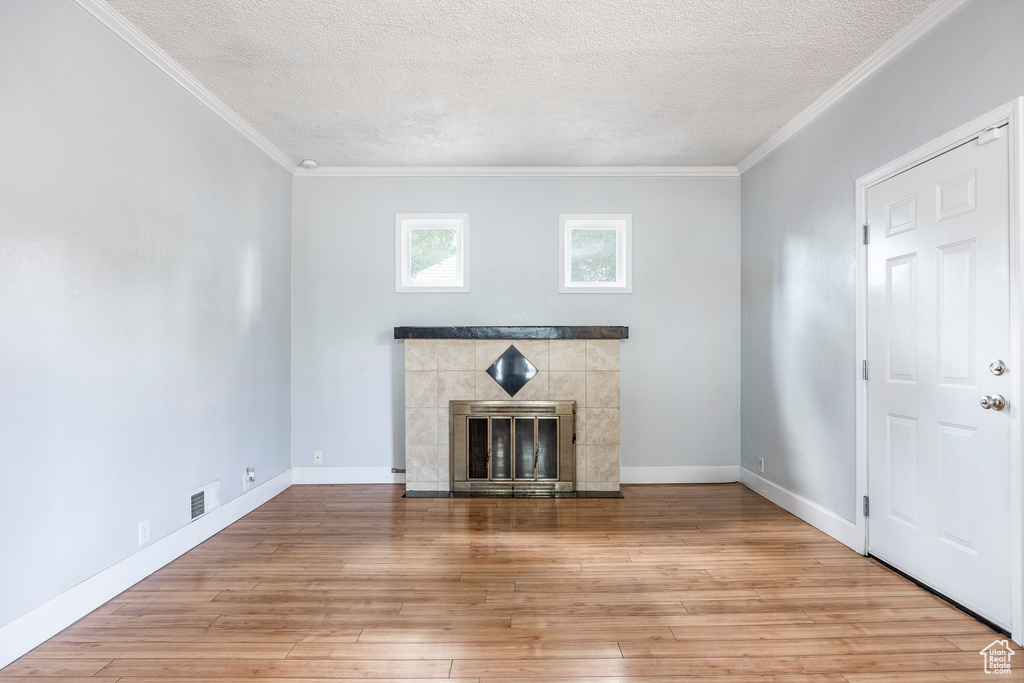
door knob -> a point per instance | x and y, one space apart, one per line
994 402
997 367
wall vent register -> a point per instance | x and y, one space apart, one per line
198 504
203 501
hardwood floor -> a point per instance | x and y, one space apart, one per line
671 583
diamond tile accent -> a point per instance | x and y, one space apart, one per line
512 371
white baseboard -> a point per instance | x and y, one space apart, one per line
28 631
685 474
345 475
817 516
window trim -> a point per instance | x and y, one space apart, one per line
623 254
403 257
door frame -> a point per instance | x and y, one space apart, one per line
1012 114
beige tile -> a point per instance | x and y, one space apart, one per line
420 485
489 390
603 463
421 426
581 463
534 390
581 425
420 389
488 350
535 350
602 389
421 354
456 354
603 486
567 354
568 386
443 435
421 463
602 354
581 484
443 468
455 386
603 426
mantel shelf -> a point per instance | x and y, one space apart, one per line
515 332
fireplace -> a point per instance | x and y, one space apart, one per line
513 448
512 376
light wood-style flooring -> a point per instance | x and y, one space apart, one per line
671 583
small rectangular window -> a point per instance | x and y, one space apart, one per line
431 252
595 253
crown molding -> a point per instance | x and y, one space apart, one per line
914 31
139 42
119 26
519 172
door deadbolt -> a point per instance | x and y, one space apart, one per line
997 367
994 402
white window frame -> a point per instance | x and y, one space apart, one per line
403 257
622 223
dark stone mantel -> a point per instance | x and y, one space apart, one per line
515 332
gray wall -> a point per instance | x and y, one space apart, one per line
144 302
799 243
679 367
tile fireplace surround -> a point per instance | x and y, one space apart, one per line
450 363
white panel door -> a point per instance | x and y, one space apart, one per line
938 315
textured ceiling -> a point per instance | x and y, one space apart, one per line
519 82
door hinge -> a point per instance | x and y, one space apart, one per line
864 369
864 234
867 507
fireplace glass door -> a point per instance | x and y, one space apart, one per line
507 448
512 448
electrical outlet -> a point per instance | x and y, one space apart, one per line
248 478
760 465
318 457
144 532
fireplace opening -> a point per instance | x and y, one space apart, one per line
513 447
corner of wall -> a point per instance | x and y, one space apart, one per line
814 514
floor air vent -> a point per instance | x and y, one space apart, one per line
202 501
